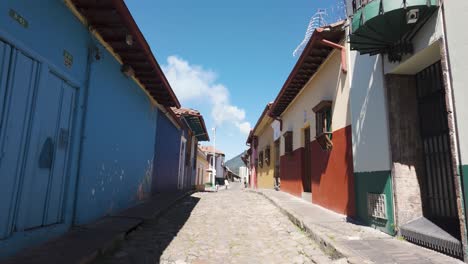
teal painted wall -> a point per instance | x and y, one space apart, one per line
464 175
374 182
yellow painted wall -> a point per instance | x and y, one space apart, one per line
202 166
265 174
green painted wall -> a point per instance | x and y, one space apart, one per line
374 182
464 175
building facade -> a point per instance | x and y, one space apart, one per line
79 116
203 176
407 116
219 163
267 167
313 129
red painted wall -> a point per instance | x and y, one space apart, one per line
332 174
291 172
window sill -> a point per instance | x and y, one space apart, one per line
324 140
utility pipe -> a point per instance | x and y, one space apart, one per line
344 66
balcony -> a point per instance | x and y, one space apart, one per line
388 26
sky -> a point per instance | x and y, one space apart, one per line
227 59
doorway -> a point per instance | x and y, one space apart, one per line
277 164
180 178
422 167
36 118
306 167
439 199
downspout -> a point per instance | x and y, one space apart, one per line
277 119
453 128
89 61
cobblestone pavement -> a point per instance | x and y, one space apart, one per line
231 226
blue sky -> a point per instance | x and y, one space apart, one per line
227 59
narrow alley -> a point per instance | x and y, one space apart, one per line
230 226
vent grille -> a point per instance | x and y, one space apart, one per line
376 205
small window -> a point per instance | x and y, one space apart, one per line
288 142
267 155
323 123
323 117
260 159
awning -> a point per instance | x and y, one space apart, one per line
195 121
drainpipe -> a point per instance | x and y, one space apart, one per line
454 140
344 66
277 119
89 62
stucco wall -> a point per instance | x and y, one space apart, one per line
430 33
265 174
329 83
370 137
291 172
455 12
369 119
118 148
202 166
167 149
44 40
332 179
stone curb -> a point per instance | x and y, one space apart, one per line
327 244
119 238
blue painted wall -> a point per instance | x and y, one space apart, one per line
44 40
119 136
118 149
166 162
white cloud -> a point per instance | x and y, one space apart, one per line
194 83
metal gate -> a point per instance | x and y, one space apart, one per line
439 199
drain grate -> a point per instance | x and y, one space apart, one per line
427 234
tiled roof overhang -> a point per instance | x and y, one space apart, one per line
195 122
113 22
308 64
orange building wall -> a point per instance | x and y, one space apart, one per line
332 174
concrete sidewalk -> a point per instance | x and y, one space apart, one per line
82 244
358 244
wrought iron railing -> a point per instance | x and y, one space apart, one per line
358 4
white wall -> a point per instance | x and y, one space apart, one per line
429 34
369 119
329 83
244 173
457 37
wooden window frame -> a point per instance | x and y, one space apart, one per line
288 142
260 159
267 155
323 124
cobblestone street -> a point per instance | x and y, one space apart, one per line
230 226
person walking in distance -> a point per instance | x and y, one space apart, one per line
226 184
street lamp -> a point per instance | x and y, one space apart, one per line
214 157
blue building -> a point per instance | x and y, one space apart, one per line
176 150
82 104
